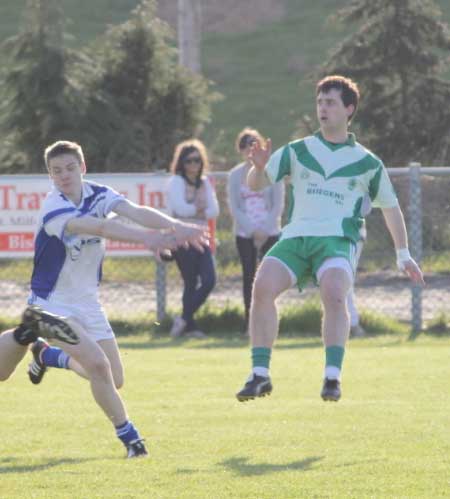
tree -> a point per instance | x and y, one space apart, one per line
37 103
141 102
397 57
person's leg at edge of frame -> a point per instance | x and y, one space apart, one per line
94 362
334 286
272 278
11 353
248 257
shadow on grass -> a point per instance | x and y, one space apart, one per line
238 341
51 463
242 467
154 343
161 342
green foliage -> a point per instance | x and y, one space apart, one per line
301 321
126 99
141 103
439 325
396 57
37 95
376 324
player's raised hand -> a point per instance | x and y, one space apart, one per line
260 153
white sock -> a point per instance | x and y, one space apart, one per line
332 372
261 371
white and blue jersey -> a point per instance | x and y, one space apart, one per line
68 267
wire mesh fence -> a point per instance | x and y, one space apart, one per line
138 286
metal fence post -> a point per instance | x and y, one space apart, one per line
160 291
415 239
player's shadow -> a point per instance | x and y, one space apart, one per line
51 463
241 466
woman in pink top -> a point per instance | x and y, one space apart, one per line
256 215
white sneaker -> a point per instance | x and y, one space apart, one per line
178 326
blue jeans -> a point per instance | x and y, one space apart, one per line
199 277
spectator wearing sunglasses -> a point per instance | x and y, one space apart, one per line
256 215
192 198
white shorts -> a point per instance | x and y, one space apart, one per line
92 317
336 263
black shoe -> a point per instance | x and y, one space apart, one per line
36 369
256 386
49 326
136 448
331 390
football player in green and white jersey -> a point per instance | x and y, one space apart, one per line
330 174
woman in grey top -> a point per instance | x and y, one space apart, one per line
256 215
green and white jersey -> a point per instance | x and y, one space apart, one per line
328 185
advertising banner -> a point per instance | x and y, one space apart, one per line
21 197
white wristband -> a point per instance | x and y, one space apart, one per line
403 254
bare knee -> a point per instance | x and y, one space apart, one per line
99 368
262 291
334 296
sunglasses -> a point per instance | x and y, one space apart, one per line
247 141
197 160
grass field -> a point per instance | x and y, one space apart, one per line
389 437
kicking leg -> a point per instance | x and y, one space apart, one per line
92 358
111 350
45 356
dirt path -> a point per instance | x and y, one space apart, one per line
383 293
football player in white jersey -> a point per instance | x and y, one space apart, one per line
330 174
69 250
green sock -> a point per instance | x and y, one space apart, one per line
261 357
334 356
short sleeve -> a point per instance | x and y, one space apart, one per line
54 221
279 164
381 191
112 199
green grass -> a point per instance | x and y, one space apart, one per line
387 438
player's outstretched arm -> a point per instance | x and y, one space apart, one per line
144 215
155 240
396 226
185 233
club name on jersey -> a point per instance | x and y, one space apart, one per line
325 192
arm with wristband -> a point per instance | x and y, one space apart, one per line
396 226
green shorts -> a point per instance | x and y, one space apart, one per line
304 255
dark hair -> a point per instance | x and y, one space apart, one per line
183 150
348 88
63 147
245 136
